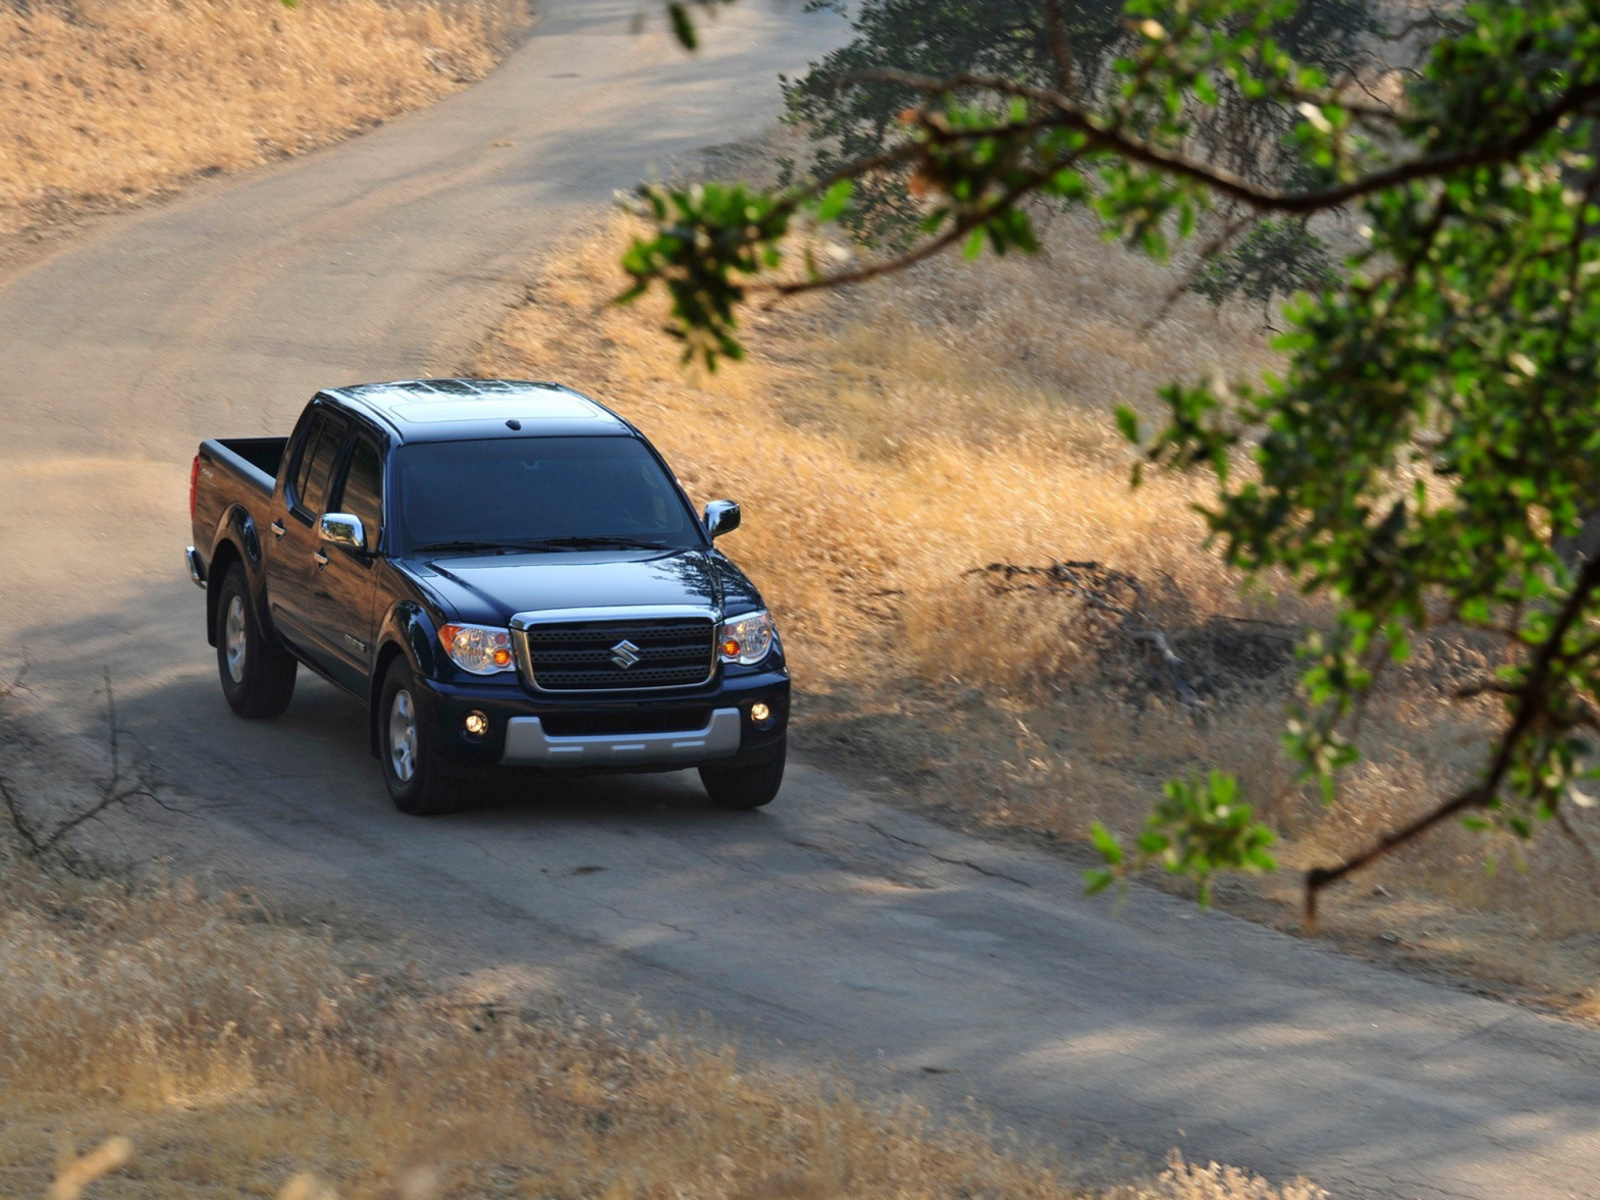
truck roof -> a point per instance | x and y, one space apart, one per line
451 410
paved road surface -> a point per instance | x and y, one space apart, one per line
845 928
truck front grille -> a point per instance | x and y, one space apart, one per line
610 655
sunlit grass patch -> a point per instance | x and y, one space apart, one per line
109 101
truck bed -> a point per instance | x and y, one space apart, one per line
263 454
232 474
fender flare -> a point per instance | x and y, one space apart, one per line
236 540
407 630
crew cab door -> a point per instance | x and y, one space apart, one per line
343 579
294 529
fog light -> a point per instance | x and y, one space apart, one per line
476 724
759 713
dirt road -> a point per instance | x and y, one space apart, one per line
924 960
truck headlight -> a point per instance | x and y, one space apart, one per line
479 649
745 639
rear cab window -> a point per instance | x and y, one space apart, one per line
308 486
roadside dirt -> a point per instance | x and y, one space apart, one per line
1486 945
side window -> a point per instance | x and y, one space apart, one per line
307 452
317 468
361 493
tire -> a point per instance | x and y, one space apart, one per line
257 677
745 787
406 751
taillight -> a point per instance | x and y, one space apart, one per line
194 486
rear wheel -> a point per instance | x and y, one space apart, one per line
745 787
257 677
410 765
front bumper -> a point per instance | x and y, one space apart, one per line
662 733
528 745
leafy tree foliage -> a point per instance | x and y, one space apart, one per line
850 114
1435 434
1276 258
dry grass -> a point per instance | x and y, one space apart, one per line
881 456
887 442
245 1056
110 101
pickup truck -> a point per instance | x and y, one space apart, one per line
506 573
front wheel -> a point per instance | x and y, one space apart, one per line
410 765
257 677
745 787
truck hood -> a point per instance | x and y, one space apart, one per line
490 589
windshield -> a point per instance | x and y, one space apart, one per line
538 493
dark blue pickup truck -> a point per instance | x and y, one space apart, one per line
506 572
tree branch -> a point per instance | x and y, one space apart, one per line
1531 707
1070 115
963 226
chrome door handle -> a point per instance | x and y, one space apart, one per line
320 559
277 528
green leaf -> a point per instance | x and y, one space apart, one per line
1128 423
683 25
834 200
1109 849
1153 842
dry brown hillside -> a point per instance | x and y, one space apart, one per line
111 101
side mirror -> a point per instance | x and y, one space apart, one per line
343 529
722 516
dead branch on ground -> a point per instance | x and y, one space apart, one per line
129 782
1119 596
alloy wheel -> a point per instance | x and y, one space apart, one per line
402 736
234 639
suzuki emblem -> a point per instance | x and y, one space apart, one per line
625 654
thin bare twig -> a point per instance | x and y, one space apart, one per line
1208 252
124 786
1564 824
1435 18
963 226
1060 48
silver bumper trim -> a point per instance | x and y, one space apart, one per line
192 557
527 745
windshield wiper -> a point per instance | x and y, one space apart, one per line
581 543
558 543
431 547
